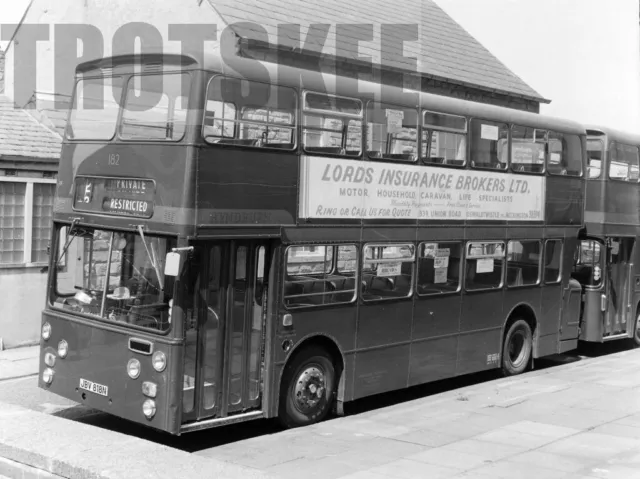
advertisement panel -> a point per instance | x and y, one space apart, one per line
337 189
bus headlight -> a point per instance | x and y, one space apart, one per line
149 408
133 368
47 375
159 361
63 349
46 331
50 359
149 389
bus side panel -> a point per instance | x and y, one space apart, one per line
481 322
592 327
266 195
564 205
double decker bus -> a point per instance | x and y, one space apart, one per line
230 246
608 261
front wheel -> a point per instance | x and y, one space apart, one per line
517 348
308 388
636 331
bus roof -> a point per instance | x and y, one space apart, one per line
614 134
287 76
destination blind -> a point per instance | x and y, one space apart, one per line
115 196
338 189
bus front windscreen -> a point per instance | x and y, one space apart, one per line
113 276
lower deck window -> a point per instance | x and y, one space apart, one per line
484 265
523 263
320 275
439 268
387 271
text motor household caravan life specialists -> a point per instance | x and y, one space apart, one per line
338 188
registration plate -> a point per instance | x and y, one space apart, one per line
94 387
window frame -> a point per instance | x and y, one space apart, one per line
28 221
237 120
304 110
503 257
74 97
603 160
334 265
545 147
460 273
429 129
125 96
373 104
498 124
558 280
391 260
540 259
613 144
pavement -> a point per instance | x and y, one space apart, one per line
576 420
19 362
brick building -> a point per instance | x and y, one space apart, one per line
29 154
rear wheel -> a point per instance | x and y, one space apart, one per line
308 388
517 348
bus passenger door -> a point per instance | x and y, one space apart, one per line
228 342
618 285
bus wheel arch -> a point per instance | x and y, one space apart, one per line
312 358
519 337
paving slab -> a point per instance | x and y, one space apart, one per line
71 449
19 362
576 420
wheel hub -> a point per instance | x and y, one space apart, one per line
517 348
309 388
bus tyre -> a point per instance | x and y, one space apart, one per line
636 331
308 388
517 348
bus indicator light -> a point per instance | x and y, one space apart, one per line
50 359
149 408
133 368
46 331
149 389
63 349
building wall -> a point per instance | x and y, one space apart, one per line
22 305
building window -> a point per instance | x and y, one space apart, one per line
26 210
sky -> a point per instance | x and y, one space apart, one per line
11 11
584 55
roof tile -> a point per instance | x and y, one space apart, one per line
23 135
444 50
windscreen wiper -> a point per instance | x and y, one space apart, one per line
70 238
152 258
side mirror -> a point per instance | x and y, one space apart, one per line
173 264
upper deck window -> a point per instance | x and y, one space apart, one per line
444 139
488 140
528 149
332 125
595 153
95 108
392 132
565 154
623 162
156 107
246 113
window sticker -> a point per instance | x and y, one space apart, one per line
484 265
